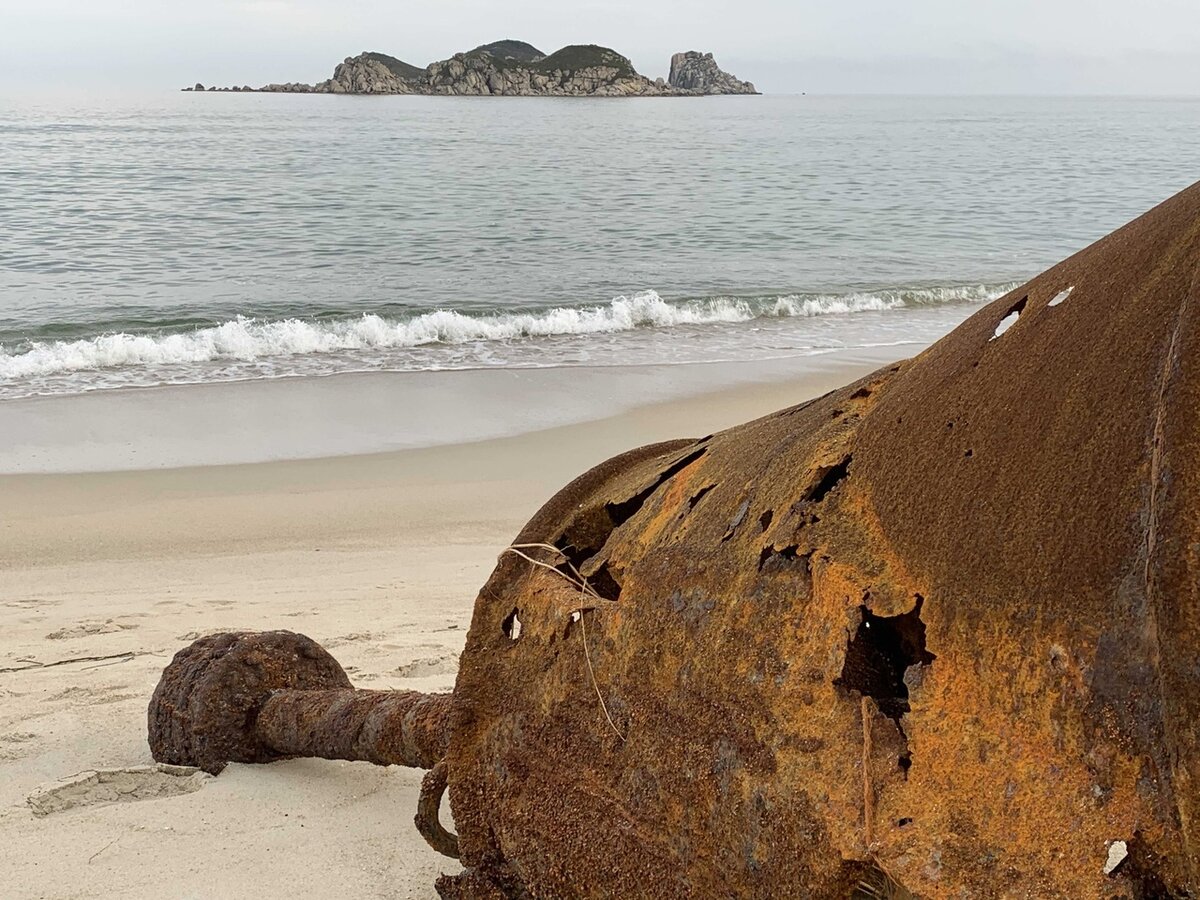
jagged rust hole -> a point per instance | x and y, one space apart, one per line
571 620
591 529
1058 298
620 513
606 583
878 655
827 478
1140 869
512 625
699 495
1010 318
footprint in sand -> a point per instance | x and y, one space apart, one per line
196 635
84 629
446 664
12 744
107 786
93 696
30 603
353 638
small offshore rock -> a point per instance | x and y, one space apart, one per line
699 72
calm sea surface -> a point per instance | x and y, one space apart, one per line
199 237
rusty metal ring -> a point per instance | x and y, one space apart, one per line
433 787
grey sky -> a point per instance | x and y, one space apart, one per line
885 46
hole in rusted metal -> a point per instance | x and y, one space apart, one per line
879 653
827 478
969 453
699 495
605 583
571 620
1061 296
511 626
1010 318
1140 869
907 820
590 530
1118 853
575 557
620 513
764 520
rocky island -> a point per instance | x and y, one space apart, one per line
516 69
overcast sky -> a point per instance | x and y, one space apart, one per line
784 46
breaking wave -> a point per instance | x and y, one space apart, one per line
249 339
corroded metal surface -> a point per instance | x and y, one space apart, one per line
943 621
203 710
387 728
256 697
433 788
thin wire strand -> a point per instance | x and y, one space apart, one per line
582 583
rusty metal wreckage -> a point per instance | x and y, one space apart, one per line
942 622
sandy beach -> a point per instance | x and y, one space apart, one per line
104 575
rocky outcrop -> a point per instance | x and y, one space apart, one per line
515 68
698 72
373 73
291 87
577 71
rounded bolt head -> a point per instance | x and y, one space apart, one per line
204 709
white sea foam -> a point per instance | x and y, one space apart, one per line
249 340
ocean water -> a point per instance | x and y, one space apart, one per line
185 238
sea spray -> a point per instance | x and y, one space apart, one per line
642 329
245 339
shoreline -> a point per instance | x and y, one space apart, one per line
362 414
56 518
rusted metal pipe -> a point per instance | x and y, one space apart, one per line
257 697
387 728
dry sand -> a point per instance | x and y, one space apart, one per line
103 576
